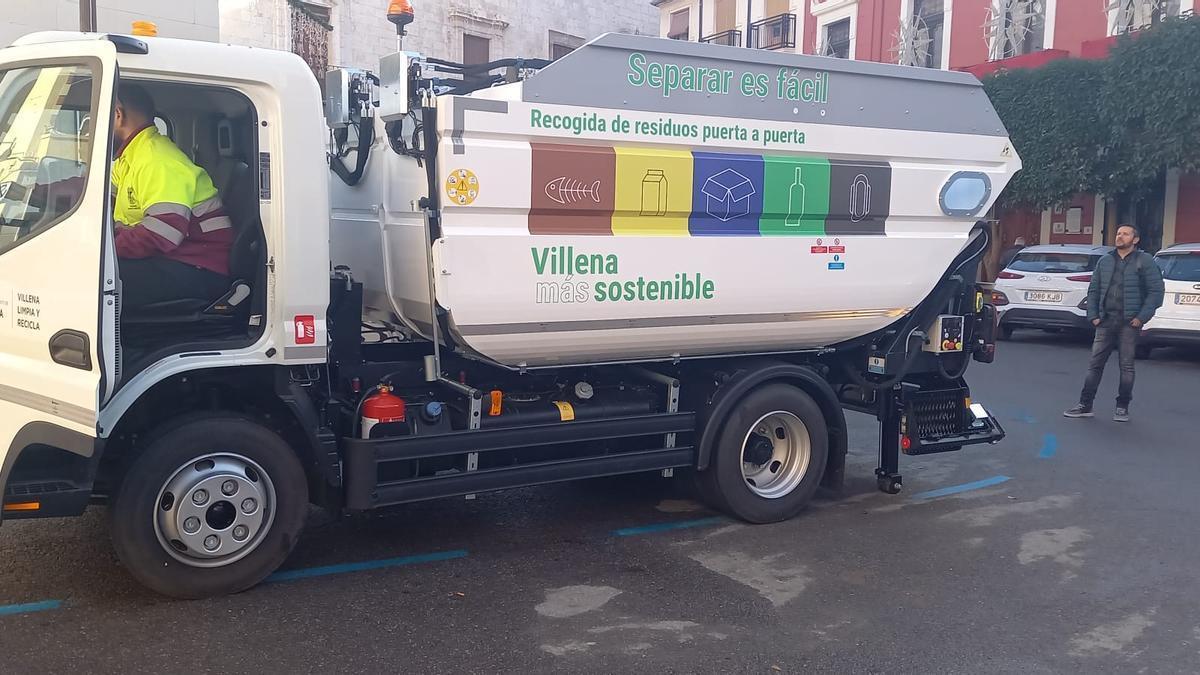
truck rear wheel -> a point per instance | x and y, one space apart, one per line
769 457
211 507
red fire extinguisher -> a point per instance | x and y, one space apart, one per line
381 407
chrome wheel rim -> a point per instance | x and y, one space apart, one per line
776 454
214 510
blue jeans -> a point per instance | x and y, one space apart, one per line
1113 334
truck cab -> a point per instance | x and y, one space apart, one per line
74 364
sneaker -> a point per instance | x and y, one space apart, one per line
1121 415
1080 410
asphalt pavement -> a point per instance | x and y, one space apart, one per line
1069 547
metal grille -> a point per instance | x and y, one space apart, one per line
29 489
937 414
118 365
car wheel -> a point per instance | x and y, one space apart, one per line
1006 331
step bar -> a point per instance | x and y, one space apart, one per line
362 458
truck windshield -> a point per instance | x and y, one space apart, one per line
1180 267
45 146
1061 263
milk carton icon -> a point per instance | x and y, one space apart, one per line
654 193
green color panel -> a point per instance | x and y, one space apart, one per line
795 196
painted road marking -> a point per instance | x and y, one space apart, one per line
965 487
30 607
665 527
1049 446
346 568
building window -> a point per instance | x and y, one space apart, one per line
1129 15
929 15
1015 27
310 35
837 39
681 23
920 39
476 49
562 44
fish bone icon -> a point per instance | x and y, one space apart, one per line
567 191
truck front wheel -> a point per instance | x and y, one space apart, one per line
211 507
768 460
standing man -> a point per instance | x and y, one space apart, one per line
1125 292
1011 252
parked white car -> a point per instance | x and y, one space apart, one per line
1045 287
1177 322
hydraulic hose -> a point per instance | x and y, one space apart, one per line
366 136
966 361
909 359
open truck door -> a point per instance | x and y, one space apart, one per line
58 285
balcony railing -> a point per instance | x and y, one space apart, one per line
729 38
1133 28
777 32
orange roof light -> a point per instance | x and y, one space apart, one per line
145 29
400 12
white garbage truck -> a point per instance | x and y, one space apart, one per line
447 279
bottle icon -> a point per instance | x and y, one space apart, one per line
654 193
795 202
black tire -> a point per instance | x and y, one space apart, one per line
723 485
1143 352
135 508
1006 332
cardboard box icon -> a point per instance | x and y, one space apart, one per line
727 195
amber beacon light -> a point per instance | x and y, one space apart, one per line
400 12
145 29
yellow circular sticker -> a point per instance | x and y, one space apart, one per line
462 187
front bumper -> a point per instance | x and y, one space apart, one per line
1170 337
1044 318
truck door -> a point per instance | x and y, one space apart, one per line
57 287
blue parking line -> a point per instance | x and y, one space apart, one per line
1049 446
30 607
665 527
965 487
345 568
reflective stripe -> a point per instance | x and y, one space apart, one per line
214 224
163 230
207 206
165 208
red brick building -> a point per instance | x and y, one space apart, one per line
980 37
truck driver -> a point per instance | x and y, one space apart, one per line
172 234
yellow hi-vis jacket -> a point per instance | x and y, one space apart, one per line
166 205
